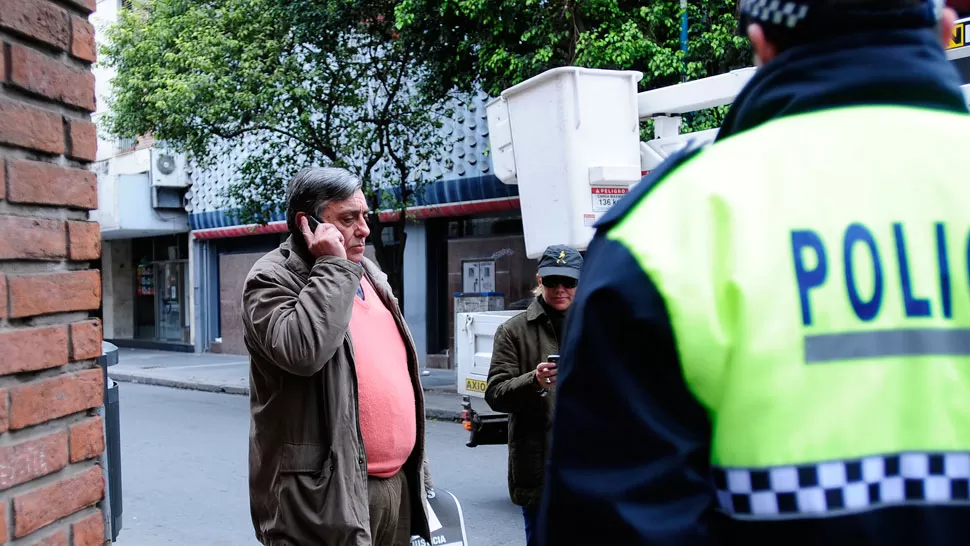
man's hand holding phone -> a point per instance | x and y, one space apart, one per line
322 239
546 372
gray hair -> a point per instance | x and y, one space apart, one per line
313 187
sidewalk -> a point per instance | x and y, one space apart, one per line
230 374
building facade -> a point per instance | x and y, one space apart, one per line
175 255
463 216
146 277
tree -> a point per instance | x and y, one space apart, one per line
498 43
310 82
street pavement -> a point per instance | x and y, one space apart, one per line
184 465
230 374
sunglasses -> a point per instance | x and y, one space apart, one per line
556 282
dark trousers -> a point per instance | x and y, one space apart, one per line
531 514
390 510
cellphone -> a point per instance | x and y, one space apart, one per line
554 359
312 222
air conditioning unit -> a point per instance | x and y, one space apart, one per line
168 169
168 197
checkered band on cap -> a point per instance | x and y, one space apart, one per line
840 487
787 14
791 14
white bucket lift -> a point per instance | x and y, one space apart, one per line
667 104
569 138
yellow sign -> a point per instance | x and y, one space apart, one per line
475 385
959 38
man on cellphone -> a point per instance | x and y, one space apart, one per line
336 450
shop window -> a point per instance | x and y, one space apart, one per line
161 288
387 236
160 249
498 225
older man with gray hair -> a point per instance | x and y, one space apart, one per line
336 446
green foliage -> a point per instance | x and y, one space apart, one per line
498 43
333 83
311 82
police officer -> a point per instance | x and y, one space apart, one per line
771 342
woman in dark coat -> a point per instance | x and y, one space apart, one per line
522 381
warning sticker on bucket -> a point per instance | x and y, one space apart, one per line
605 197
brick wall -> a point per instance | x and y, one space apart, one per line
51 438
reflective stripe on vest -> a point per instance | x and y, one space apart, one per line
821 306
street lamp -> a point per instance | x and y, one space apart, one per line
683 38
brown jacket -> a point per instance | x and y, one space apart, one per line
307 466
520 344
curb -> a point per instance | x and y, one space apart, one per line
430 413
442 415
177 384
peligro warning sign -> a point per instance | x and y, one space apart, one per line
605 197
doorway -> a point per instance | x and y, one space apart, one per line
162 289
171 305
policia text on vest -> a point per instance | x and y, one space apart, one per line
896 262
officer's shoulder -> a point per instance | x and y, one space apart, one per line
647 184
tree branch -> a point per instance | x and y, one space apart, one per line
229 135
323 148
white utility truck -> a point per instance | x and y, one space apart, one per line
570 139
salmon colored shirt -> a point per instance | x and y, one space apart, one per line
388 418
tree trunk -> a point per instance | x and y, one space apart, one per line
390 257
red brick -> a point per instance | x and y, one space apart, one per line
38 19
38 73
31 349
26 461
43 506
44 184
4 533
30 127
55 397
85 240
82 40
57 539
87 6
87 439
90 530
4 411
82 140
32 238
86 340
3 176
3 296
46 293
